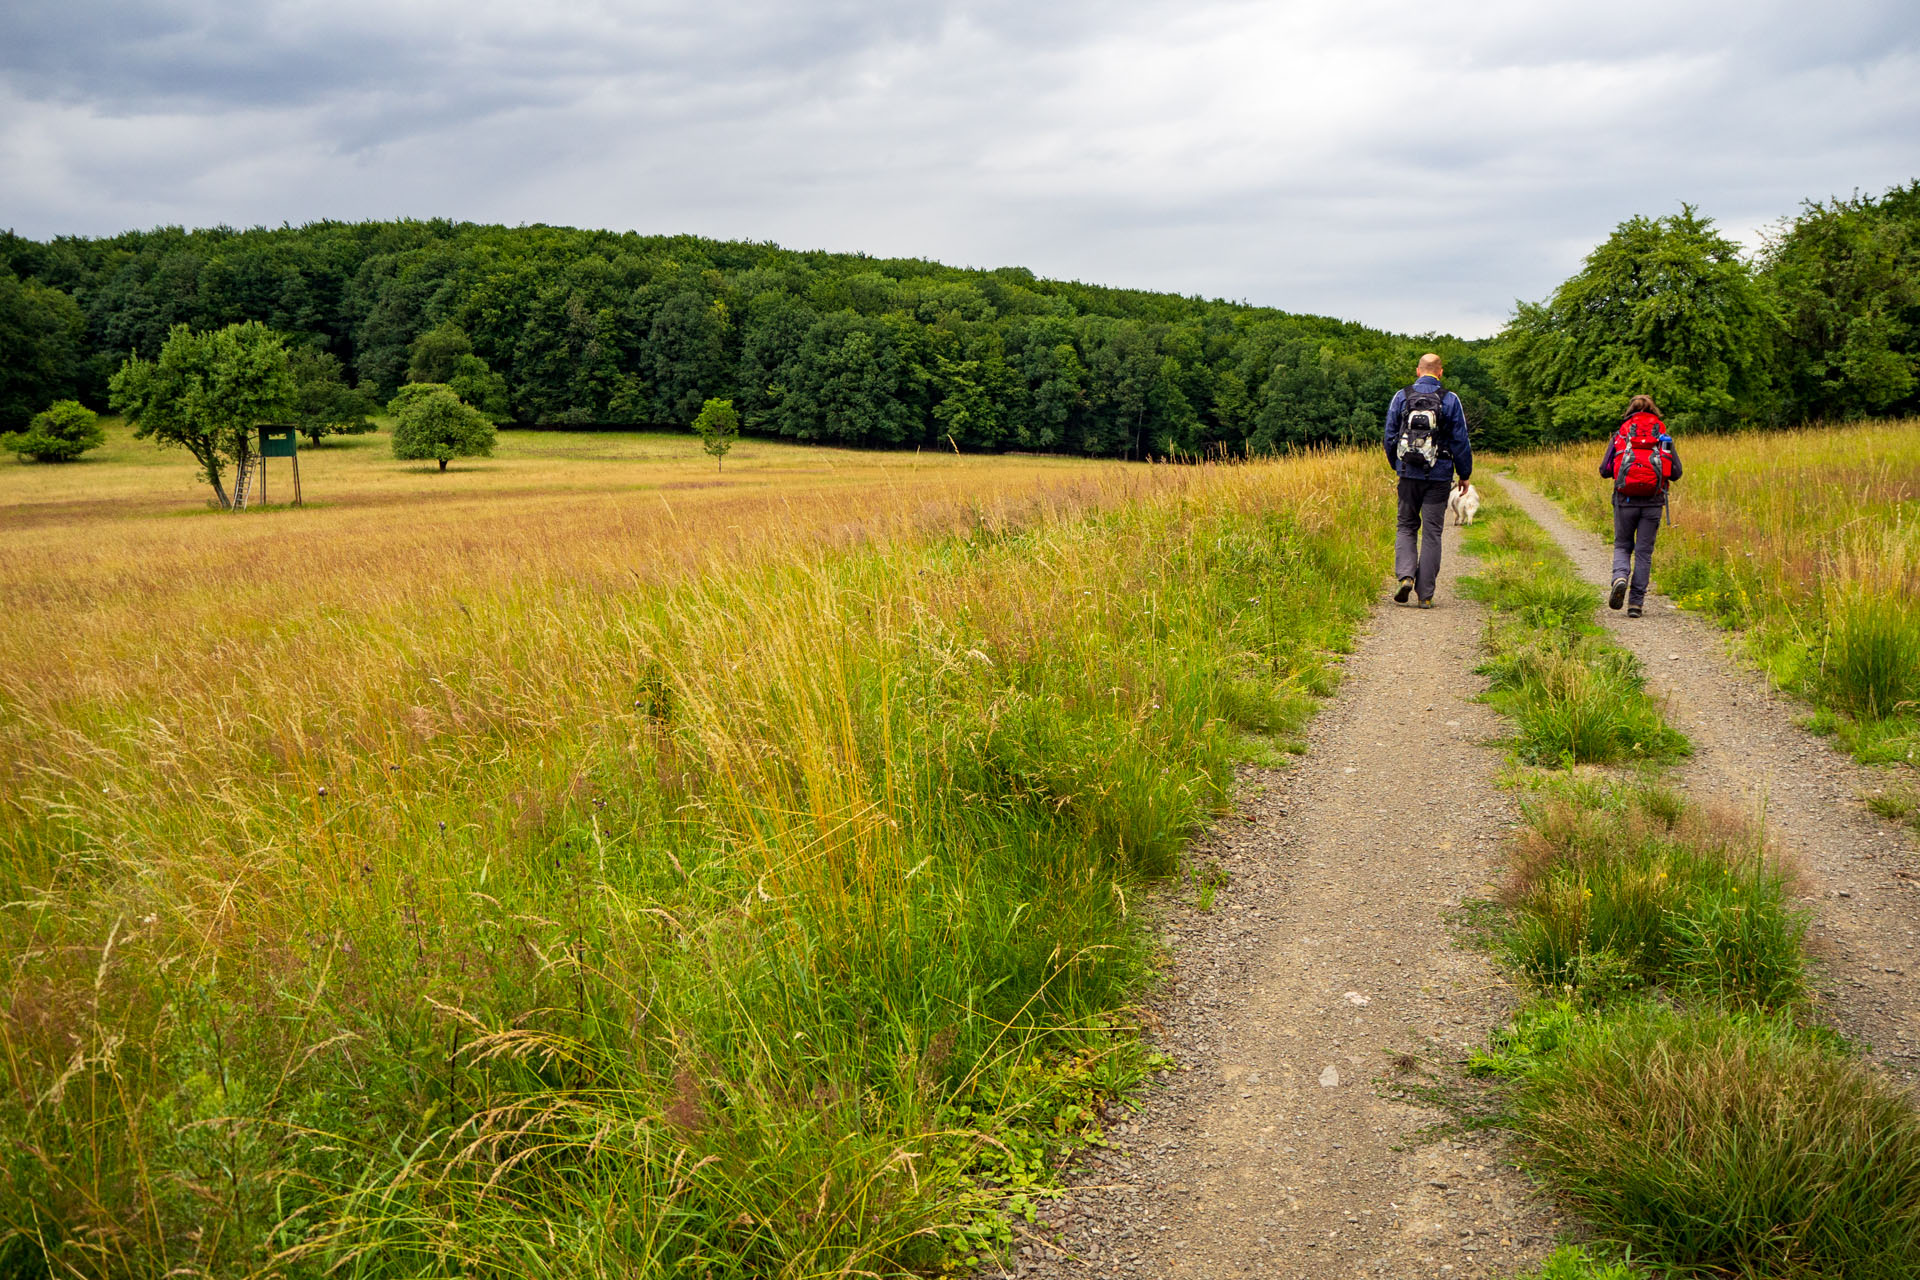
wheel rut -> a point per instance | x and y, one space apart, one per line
1862 872
1272 1151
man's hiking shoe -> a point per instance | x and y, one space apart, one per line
1426 604
1406 589
1619 595
1633 611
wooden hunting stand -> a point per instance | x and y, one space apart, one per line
275 442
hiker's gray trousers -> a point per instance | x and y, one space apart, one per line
1416 542
1634 529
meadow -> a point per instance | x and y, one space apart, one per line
586 862
1808 543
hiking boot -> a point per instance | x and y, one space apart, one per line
1619 595
1633 611
1427 603
1406 589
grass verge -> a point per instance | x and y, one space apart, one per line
1664 1077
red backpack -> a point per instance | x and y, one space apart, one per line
1642 465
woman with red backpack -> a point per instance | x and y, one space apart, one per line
1641 462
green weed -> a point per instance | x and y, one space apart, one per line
1571 1262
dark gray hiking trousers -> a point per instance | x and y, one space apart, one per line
1635 526
1416 542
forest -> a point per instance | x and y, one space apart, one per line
565 327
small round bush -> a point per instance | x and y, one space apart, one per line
59 433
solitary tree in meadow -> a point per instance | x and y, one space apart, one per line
718 426
430 421
59 433
207 392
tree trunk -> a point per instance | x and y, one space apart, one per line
212 470
443 464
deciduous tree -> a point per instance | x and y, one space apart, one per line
430 421
207 392
1666 307
323 404
718 427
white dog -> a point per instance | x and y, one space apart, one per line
1464 503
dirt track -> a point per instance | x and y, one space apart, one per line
1271 1152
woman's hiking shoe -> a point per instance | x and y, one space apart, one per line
1406 589
1426 604
1633 611
1619 595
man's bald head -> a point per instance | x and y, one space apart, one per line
1429 366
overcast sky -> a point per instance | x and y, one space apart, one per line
1414 166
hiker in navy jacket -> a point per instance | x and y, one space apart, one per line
1424 483
1636 518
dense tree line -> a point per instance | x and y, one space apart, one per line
554 326
547 325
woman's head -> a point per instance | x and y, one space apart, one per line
1642 404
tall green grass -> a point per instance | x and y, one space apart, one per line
771 923
1574 697
1623 888
1667 1082
1728 1147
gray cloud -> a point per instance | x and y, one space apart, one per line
1415 166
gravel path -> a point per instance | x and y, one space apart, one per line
1271 1151
1862 871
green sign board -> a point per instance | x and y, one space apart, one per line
279 442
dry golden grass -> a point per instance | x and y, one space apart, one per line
461 829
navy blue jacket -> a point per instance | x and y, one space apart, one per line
1453 421
1621 499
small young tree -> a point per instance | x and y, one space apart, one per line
718 426
323 403
430 421
207 392
61 432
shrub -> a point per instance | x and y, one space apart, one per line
1729 1146
1626 890
59 433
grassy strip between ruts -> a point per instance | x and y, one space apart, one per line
1808 541
1664 1077
1574 697
781 921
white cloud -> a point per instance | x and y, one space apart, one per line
1413 166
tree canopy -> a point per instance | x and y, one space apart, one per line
1845 276
548 325
1666 307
